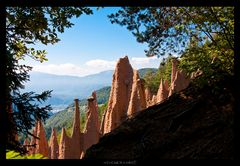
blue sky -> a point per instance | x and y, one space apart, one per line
92 45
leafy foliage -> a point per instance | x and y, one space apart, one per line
169 29
26 26
152 80
204 36
25 113
21 112
208 59
16 155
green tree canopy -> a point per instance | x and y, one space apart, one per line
203 36
26 26
169 29
152 80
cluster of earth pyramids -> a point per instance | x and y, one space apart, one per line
127 97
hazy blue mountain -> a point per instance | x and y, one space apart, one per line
68 85
66 88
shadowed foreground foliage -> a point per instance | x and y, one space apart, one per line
26 26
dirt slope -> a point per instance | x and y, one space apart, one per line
196 123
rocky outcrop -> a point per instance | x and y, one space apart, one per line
179 79
26 145
26 142
162 93
193 124
120 95
148 96
137 96
166 85
141 92
39 143
154 100
170 91
102 122
181 82
175 63
53 145
75 138
64 146
32 148
91 131
42 144
95 113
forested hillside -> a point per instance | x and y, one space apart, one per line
65 118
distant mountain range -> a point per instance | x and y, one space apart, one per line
66 88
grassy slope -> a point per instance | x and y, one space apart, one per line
16 155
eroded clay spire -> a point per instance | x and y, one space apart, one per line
175 62
26 144
53 145
75 139
42 144
64 146
162 93
141 92
91 131
148 95
120 95
32 148
135 100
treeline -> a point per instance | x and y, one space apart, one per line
213 62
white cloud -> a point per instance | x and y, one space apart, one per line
146 62
61 69
90 67
101 64
94 66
